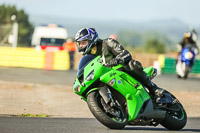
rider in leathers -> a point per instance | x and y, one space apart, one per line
188 40
113 53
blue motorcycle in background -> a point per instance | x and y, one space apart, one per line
185 62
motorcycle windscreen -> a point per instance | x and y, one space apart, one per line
83 63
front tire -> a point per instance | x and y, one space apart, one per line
186 72
95 105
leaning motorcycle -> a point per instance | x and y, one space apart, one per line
185 62
116 99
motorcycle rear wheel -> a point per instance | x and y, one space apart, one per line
94 103
175 120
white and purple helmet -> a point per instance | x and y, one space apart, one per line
86 34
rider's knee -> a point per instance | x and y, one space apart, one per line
135 65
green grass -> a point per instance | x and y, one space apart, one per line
33 115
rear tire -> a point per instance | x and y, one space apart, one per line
175 120
95 106
178 76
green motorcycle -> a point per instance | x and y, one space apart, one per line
116 99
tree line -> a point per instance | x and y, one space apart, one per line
148 41
25 26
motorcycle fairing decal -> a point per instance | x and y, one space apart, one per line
113 74
112 82
119 81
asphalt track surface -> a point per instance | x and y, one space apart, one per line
80 125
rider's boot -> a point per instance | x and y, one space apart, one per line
155 90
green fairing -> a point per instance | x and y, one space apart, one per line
148 70
123 83
135 96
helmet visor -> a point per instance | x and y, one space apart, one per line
82 44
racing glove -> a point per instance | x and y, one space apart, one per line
113 62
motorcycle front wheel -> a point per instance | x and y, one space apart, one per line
187 68
97 107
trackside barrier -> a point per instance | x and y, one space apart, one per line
30 58
169 66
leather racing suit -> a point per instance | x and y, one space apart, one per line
113 53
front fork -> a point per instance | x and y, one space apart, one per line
106 95
109 102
